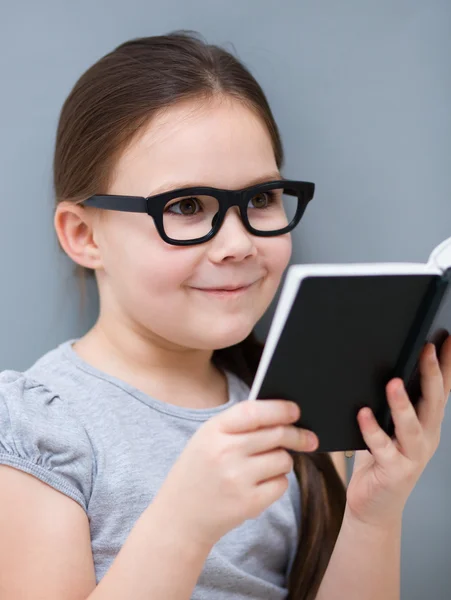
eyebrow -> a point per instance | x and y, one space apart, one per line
175 185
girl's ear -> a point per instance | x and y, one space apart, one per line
75 225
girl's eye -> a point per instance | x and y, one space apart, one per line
262 200
186 206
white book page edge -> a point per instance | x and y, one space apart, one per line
282 311
388 268
440 257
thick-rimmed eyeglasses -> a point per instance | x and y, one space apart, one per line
193 215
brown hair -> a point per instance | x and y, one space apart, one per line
104 112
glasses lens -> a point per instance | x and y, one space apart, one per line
273 209
189 217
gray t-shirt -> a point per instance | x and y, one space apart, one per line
109 446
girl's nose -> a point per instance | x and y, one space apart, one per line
232 239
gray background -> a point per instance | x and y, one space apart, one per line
362 94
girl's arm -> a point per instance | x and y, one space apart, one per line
45 550
365 563
158 560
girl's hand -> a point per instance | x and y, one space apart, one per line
232 468
383 479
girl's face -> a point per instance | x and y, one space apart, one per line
156 287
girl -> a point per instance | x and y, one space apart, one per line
132 464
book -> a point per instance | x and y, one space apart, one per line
340 332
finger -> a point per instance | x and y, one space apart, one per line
280 436
430 407
380 444
250 415
408 429
262 467
445 365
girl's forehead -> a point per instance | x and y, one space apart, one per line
194 124
223 145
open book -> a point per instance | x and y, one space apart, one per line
340 332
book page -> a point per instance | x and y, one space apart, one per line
440 257
370 268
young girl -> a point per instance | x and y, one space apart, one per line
133 465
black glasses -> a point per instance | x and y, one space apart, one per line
193 215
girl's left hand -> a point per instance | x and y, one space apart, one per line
383 479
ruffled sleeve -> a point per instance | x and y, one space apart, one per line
40 435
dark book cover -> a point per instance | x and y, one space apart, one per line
345 337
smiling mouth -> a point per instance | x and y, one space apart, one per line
227 292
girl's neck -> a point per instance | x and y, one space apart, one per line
175 375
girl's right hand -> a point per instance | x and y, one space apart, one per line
233 468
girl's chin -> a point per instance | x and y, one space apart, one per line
227 336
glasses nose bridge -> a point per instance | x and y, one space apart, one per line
231 198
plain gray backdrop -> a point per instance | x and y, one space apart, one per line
361 91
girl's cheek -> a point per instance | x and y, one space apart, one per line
165 272
278 255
